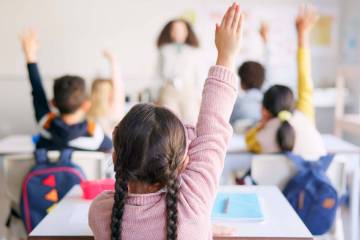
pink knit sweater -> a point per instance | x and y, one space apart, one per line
145 214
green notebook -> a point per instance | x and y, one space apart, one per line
237 206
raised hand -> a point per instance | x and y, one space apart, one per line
108 55
264 32
29 42
305 21
228 36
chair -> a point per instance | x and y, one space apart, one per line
346 121
17 166
276 169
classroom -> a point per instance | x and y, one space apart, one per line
180 120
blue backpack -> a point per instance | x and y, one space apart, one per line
311 193
46 184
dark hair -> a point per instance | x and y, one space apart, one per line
165 34
252 75
149 145
69 93
276 99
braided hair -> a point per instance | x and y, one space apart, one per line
149 146
121 190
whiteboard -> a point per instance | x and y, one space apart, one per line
73 32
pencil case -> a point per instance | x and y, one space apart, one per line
93 188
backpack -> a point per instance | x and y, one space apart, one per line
45 184
311 193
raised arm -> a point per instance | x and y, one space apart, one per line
118 105
267 56
30 46
305 20
213 131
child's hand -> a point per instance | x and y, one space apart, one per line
305 21
264 32
228 36
220 231
30 45
108 55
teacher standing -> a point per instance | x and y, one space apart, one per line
177 84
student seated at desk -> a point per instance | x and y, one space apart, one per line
252 74
167 175
70 129
108 98
287 125
248 104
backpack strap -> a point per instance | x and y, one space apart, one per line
298 161
325 161
41 156
65 156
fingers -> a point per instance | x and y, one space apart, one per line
28 35
224 17
236 19
219 231
229 19
239 27
307 11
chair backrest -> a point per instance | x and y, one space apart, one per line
272 169
17 166
277 169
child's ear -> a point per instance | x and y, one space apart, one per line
52 103
85 106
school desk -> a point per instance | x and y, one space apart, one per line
15 144
69 219
238 158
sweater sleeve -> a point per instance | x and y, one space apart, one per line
305 87
213 131
40 103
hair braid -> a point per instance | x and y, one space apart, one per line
171 204
121 191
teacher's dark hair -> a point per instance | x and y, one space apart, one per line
165 34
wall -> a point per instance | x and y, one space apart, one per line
350 55
73 33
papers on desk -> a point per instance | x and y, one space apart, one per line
237 207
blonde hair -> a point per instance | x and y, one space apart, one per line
101 97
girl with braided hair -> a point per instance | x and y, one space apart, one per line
167 174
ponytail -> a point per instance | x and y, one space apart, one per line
121 191
285 137
279 101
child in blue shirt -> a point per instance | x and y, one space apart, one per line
248 105
69 128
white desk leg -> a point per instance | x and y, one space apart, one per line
355 201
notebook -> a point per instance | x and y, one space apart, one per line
237 207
